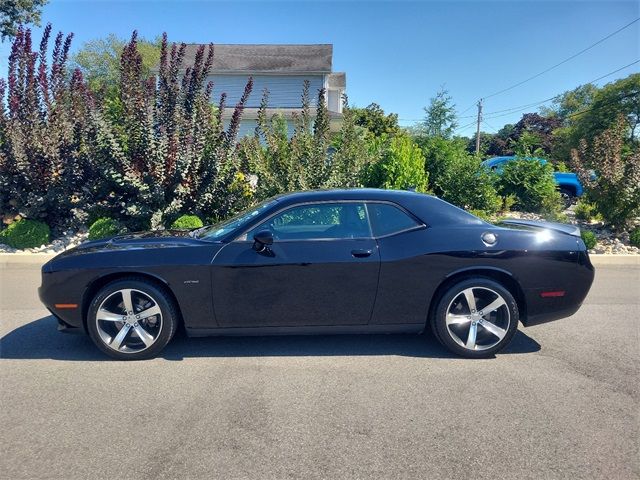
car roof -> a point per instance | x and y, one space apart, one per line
508 158
493 160
348 194
429 209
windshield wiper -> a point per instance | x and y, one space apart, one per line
196 233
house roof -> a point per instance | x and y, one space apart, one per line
337 80
267 58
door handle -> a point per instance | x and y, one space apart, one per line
361 253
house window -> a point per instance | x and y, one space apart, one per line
334 101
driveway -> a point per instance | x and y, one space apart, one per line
561 402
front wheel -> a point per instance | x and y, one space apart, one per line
131 319
476 318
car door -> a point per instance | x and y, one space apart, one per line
321 270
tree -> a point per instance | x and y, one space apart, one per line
571 102
486 142
618 99
440 119
14 13
99 60
376 121
538 130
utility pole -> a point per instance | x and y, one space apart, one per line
478 127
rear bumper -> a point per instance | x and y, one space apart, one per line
576 285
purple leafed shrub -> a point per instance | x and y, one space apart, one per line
173 149
45 135
157 149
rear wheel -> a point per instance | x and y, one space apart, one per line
476 318
131 319
568 198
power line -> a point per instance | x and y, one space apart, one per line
563 61
465 126
575 114
581 112
487 124
467 109
509 111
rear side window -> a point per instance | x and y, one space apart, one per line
387 219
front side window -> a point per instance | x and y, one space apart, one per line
219 230
387 219
318 221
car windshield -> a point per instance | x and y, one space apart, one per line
219 230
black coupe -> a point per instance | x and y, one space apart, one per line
335 261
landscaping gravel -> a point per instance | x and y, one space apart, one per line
66 241
608 242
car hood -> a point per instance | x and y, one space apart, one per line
135 241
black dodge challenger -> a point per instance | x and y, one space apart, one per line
335 261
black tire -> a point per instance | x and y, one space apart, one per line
507 323
568 198
166 324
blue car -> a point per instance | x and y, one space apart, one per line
568 182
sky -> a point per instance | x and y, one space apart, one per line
398 53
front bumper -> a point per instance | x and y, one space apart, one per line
64 327
57 288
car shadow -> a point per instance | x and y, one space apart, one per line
39 340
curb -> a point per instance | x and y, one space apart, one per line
7 259
602 259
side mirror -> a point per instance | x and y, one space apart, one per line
262 239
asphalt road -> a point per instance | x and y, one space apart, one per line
562 402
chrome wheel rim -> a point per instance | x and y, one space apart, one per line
129 320
478 318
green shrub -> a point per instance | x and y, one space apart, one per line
483 215
401 166
102 228
458 177
532 184
187 222
25 234
589 238
634 237
585 211
555 216
508 202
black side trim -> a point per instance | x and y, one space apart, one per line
320 330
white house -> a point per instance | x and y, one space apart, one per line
282 69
